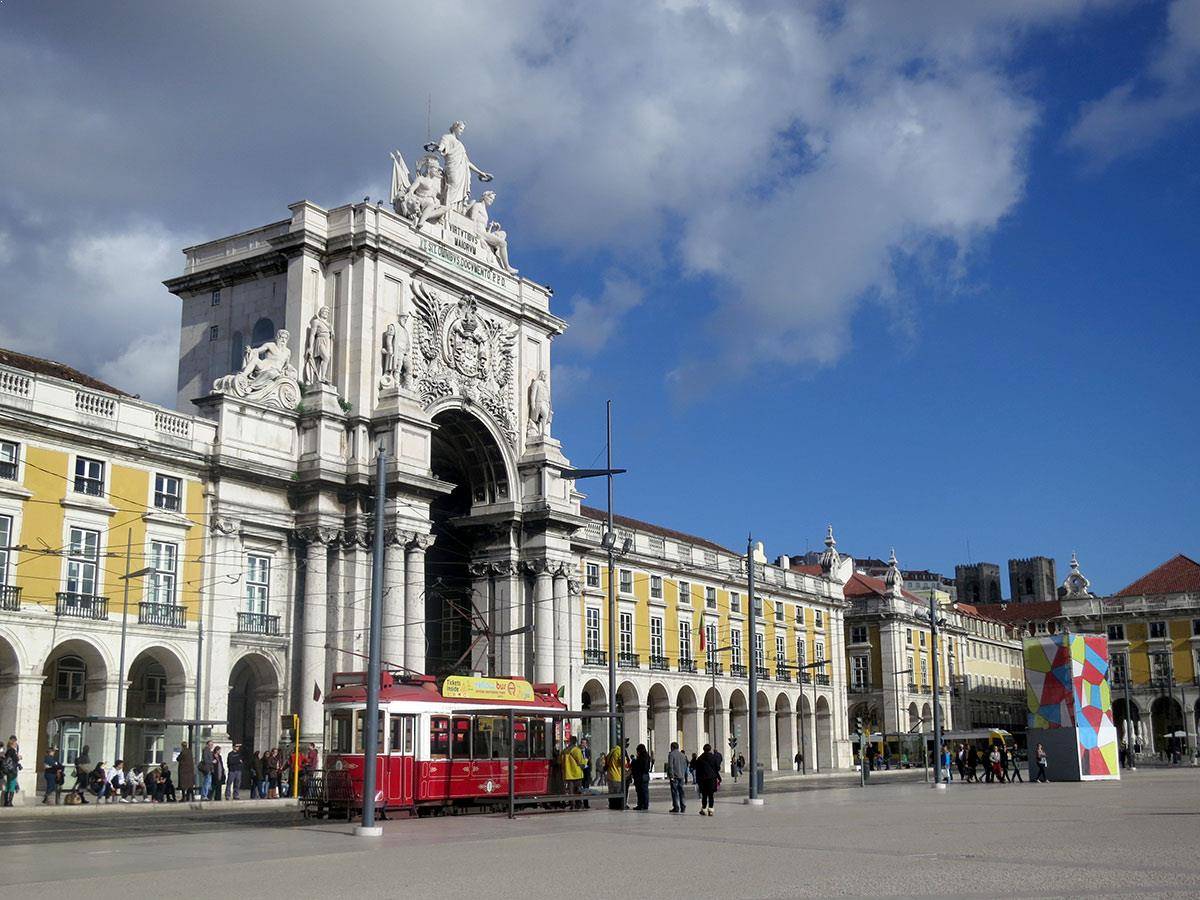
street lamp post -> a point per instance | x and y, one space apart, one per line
140 573
820 663
937 703
753 799
1130 757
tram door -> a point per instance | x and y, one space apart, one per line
401 765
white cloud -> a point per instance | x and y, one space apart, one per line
593 322
1138 112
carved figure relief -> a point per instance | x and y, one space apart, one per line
318 355
464 354
540 412
267 375
490 233
419 199
397 363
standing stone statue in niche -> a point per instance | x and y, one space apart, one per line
458 167
490 232
267 375
397 367
421 198
318 355
540 412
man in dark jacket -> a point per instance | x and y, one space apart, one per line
234 765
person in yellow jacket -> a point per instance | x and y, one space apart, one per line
614 771
572 762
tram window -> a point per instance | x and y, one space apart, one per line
339 731
500 737
481 737
439 737
460 743
397 734
521 738
360 716
409 728
537 745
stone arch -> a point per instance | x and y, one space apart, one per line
1166 717
630 718
824 736
689 731
660 730
255 693
739 711
78 682
914 718
263 331
927 717
594 697
11 668
805 725
764 728
785 733
1134 720
715 719
156 687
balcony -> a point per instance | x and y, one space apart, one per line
737 670
714 667
783 675
257 623
824 680
80 606
93 487
805 678
166 615
659 663
169 502
595 658
687 665
10 597
629 661
763 673
913 688
8 470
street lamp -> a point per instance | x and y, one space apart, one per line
140 573
820 663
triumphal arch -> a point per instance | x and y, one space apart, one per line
315 340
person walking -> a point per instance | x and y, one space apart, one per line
677 770
692 767
187 773
1041 763
220 775
995 773
1003 750
206 771
585 747
614 772
52 776
571 760
234 766
946 766
1015 774
973 764
258 777
708 778
10 769
83 768
640 770
798 760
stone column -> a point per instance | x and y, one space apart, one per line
309 642
23 720
356 591
337 591
394 600
414 602
562 635
543 623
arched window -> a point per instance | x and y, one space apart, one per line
69 678
264 330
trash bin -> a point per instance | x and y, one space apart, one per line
758 779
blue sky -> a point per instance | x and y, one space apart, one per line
927 274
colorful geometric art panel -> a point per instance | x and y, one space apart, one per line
1093 706
1048 674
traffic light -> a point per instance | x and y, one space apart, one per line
733 743
858 724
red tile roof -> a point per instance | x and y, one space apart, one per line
860 586
39 366
1011 613
600 515
1175 576
814 569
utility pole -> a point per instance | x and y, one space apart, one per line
1130 760
148 570
937 702
611 539
752 742
371 726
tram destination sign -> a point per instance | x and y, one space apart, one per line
466 687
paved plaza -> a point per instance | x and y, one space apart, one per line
1137 836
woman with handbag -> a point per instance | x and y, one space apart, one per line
708 778
640 771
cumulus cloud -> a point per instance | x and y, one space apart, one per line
1138 112
781 155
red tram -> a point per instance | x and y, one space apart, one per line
448 746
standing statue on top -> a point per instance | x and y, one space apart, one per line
318 355
458 167
540 412
397 366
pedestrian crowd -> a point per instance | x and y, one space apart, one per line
993 764
215 775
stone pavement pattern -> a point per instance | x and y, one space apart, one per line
890 840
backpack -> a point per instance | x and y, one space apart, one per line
9 767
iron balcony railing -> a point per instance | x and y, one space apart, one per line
763 673
714 667
687 665
783 675
168 615
10 597
659 663
824 680
806 678
169 502
8 470
737 670
913 688
595 658
257 623
80 606
93 487
629 661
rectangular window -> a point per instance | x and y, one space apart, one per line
800 616
685 592
10 456
626 581
801 652
89 476
1161 666
685 640
83 555
593 575
626 632
155 689
1195 633
656 637
818 619
216 298
922 637
214 332
780 650
460 737
735 645
1158 629
778 611
908 636
862 672
818 651
656 590
5 542
439 737
912 672
1116 631
1116 669
69 679
710 598
164 559
168 493
924 670
759 654
735 602
758 607
258 583
858 634
593 630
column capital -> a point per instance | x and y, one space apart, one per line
537 566
574 586
324 535
396 537
356 539
224 525
421 542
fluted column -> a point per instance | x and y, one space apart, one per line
336 591
562 636
394 599
310 641
414 602
543 623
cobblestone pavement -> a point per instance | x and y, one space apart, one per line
1138 836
